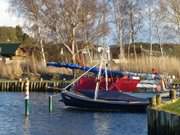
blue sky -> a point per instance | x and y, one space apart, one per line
6 18
9 19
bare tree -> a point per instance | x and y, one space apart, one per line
63 21
119 9
165 16
150 13
127 16
173 15
135 23
159 24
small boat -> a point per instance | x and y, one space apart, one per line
107 101
103 92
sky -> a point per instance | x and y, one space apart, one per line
6 18
9 19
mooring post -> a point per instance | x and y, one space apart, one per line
50 104
158 99
172 94
26 97
153 101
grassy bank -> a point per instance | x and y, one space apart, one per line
173 107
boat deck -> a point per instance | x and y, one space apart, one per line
113 96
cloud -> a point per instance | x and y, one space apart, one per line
7 19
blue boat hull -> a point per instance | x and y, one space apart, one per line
83 102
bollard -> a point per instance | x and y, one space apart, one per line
172 94
158 99
153 101
27 98
26 107
50 104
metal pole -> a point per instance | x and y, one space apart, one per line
50 104
27 98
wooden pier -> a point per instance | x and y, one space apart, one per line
34 86
161 122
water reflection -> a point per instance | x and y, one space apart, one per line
26 126
62 121
101 124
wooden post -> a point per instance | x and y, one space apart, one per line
5 86
8 88
172 94
26 97
50 104
33 86
30 86
158 99
1 86
46 85
16 86
153 101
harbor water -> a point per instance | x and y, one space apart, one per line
63 121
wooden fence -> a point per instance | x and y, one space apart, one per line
38 86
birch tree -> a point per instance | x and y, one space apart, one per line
159 25
120 11
127 16
173 15
62 21
134 22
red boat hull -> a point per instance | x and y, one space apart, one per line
114 84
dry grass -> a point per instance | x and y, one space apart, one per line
59 70
11 70
165 65
27 67
14 69
170 65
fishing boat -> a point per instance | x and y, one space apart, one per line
109 90
108 101
102 98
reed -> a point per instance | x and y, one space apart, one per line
14 69
11 70
164 64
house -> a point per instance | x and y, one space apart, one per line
7 51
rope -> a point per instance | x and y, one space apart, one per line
79 78
70 83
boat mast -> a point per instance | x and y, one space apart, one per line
104 59
98 79
106 76
107 59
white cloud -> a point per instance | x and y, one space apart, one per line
6 18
